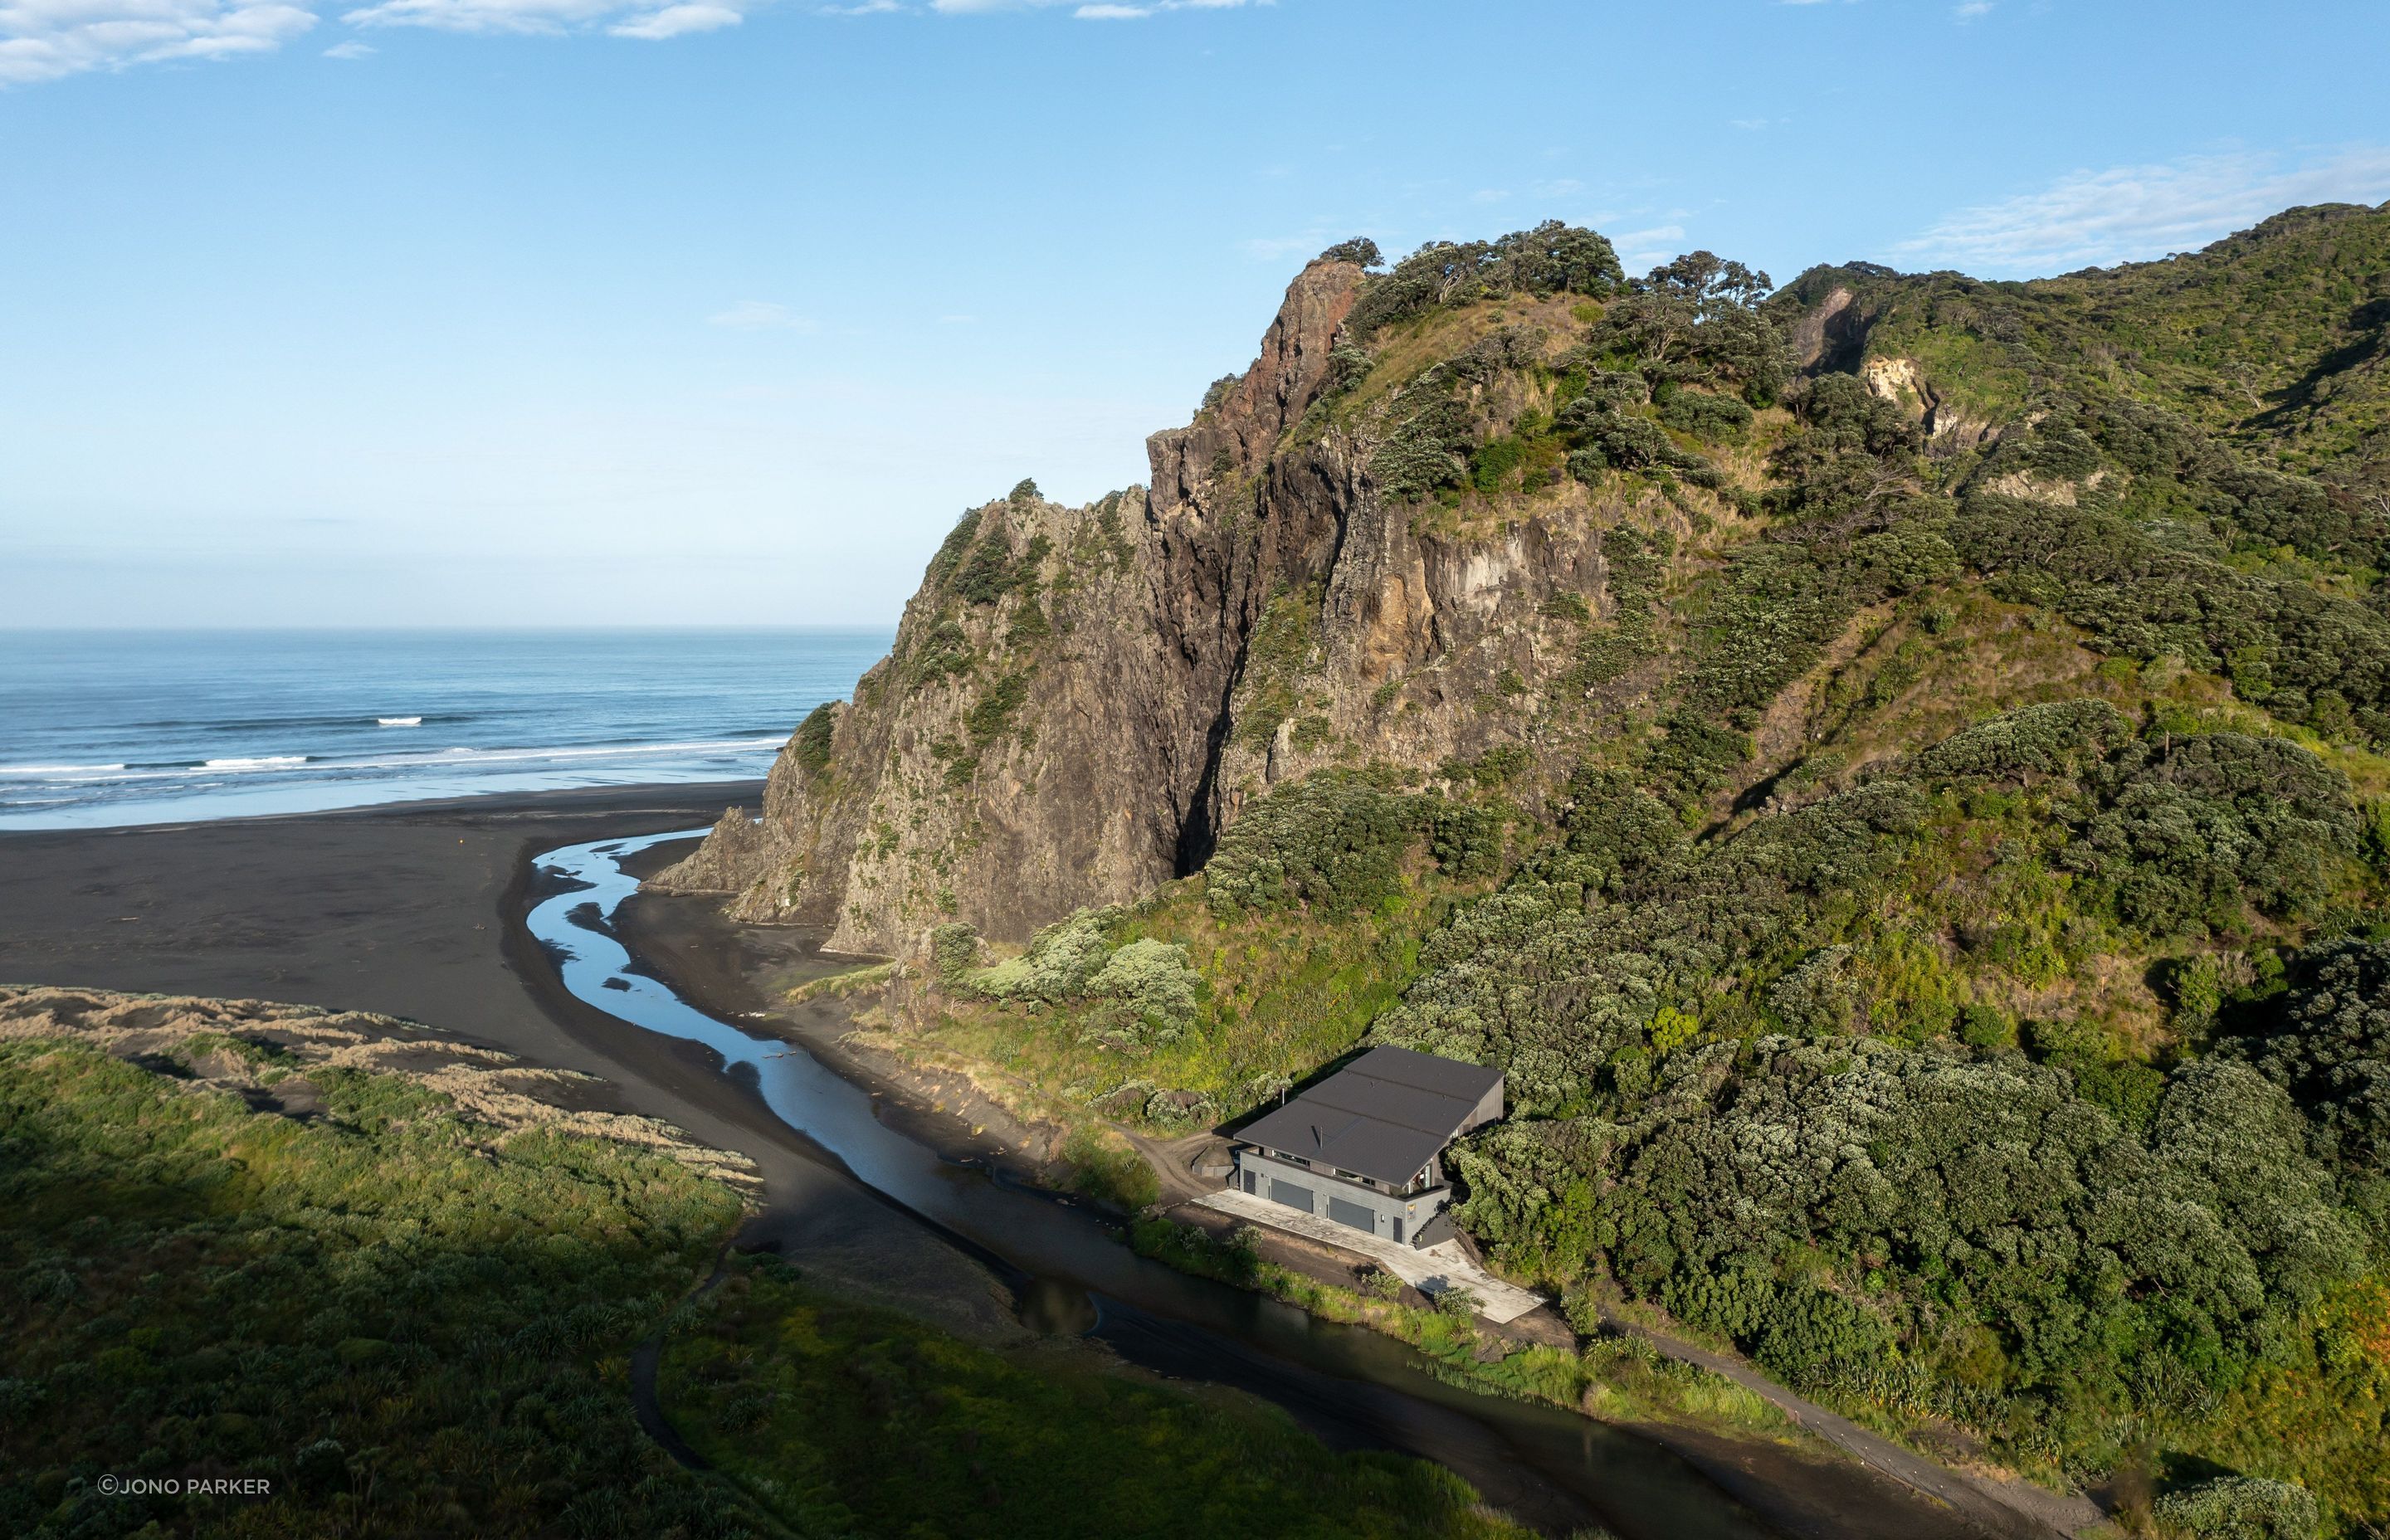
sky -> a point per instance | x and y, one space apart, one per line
721 312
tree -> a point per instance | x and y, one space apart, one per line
1698 318
1360 250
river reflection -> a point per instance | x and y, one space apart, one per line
1353 1387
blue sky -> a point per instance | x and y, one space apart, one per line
546 311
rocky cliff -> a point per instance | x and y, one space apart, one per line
1080 699
1470 522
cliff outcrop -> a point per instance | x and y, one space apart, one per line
1080 699
1497 513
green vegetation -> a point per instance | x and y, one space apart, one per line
407 1322
843 1419
1551 258
409 1319
810 743
1936 943
1616 1376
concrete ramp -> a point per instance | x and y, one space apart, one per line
1439 1268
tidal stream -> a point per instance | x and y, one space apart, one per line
1352 1387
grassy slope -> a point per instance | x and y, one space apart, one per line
410 1323
198 1288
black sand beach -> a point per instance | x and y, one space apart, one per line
403 909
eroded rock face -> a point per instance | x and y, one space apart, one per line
1080 700
1902 382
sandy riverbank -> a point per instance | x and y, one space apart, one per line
409 910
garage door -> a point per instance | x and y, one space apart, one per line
1294 1194
1360 1218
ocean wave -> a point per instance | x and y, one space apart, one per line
58 769
260 762
398 721
461 755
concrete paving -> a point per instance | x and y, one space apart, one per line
1430 1271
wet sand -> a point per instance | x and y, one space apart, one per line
409 910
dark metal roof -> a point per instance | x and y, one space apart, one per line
1384 1115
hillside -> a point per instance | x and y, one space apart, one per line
373 1280
1891 768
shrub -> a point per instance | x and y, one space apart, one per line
1360 250
1111 1174
954 952
810 745
1059 964
1713 419
1332 841
1155 981
2239 1508
2327 1041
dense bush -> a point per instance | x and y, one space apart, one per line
1715 418
1955 1227
1154 983
406 1322
2327 1040
2188 830
1146 990
2239 1508
1331 841
1698 318
810 745
1551 258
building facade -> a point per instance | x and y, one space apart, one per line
1364 1148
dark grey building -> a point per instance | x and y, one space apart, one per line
1364 1147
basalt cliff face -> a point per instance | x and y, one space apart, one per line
1080 699
1475 521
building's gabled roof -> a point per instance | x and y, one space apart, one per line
1384 1115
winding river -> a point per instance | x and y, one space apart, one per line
1353 1387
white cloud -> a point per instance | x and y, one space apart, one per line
761 315
675 20
42 40
46 39
1276 248
1104 10
532 17
2131 213
1641 250
1968 10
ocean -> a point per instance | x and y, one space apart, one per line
104 729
